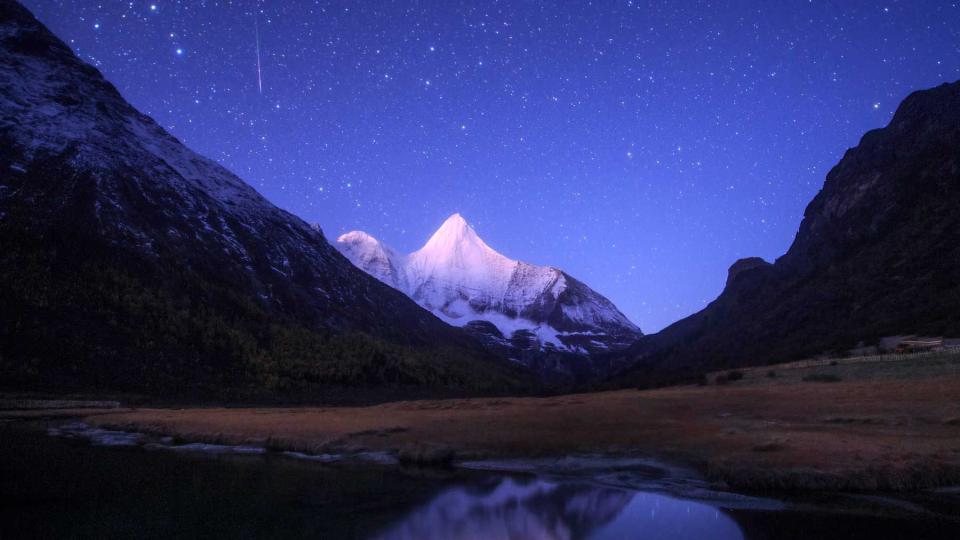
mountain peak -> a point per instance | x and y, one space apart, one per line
461 279
456 239
357 237
455 226
743 265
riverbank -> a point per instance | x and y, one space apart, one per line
835 427
842 427
120 485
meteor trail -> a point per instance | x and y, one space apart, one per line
256 28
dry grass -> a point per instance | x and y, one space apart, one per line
894 433
17 404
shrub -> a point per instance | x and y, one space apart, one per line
822 377
833 362
771 374
722 379
702 380
770 446
734 375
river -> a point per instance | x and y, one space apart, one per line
56 487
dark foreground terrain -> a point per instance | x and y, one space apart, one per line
52 487
865 424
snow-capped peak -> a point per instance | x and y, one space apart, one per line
362 243
456 256
462 279
454 235
371 255
357 237
455 242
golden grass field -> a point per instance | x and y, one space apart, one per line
890 425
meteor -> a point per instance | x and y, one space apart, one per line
256 29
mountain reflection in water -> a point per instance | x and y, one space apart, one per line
512 508
61 487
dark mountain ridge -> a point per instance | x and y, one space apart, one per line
131 263
877 253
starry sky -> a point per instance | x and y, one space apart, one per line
641 146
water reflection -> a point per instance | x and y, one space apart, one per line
54 487
515 509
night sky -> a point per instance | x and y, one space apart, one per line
640 146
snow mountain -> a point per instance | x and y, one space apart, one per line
465 282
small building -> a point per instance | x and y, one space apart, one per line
890 343
920 344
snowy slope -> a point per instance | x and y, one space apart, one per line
461 279
75 158
375 258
